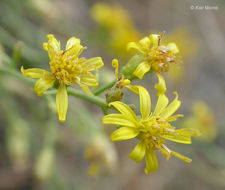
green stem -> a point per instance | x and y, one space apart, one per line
126 71
104 88
105 110
16 74
79 94
93 99
96 92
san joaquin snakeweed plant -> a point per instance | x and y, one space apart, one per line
152 127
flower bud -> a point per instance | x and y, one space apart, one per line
114 94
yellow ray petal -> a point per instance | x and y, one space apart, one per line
145 42
74 51
133 88
151 161
117 119
172 108
184 158
89 80
135 46
188 132
174 118
138 153
160 105
62 102
44 84
161 85
125 110
141 69
165 153
173 47
124 133
71 42
154 38
92 64
86 89
33 73
53 46
83 87
177 138
145 102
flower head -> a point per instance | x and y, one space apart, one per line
156 57
66 68
151 128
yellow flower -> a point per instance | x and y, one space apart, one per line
66 68
152 128
156 57
161 85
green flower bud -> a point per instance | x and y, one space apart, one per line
114 94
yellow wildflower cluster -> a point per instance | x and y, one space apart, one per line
156 57
66 68
152 128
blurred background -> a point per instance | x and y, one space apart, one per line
38 152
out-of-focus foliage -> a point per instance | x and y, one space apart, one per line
116 24
202 118
101 154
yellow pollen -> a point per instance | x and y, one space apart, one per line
160 57
152 142
66 69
